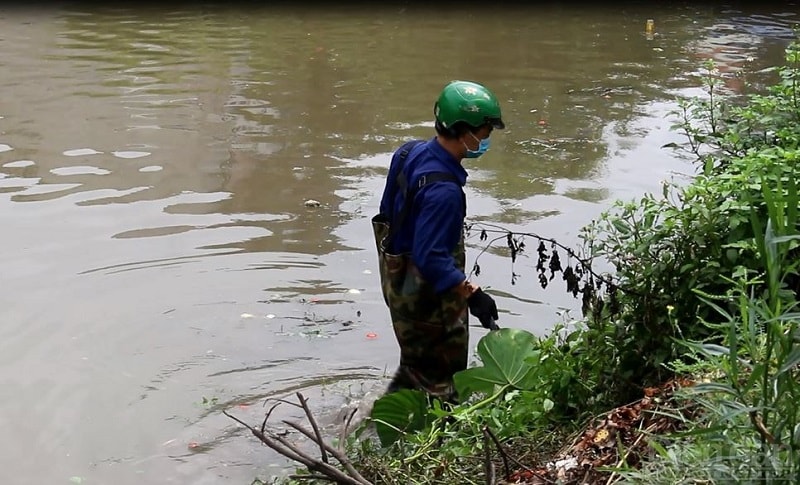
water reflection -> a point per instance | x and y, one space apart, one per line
282 102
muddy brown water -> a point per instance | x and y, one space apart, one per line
159 263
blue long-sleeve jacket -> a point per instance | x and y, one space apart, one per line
434 226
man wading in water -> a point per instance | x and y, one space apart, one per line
420 238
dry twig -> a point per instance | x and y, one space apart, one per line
317 434
488 432
284 447
343 434
488 466
340 457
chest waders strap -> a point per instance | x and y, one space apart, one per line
409 193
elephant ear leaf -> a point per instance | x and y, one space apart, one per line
508 356
400 412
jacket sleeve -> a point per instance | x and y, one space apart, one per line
439 224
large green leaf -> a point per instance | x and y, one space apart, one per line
400 412
505 355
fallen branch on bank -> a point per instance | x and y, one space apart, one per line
322 467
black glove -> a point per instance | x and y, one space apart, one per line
483 307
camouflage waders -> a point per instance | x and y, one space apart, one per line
431 328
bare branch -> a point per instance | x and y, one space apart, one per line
318 440
758 423
284 401
488 466
343 435
287 449
269 441
311 477
488 433
319 466
340 457
269 413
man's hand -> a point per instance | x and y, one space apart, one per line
483 307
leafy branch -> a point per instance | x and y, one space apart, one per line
580 277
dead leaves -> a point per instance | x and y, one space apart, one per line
620 438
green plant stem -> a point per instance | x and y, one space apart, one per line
484 402
460 414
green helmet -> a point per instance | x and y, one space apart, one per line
468 102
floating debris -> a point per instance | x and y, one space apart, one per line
247 315
312 203
5 148
152 168
354 291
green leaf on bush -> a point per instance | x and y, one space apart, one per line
509 359
400 412
792 360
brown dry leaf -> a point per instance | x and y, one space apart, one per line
628 414
583 443
651 391
596 447
605 458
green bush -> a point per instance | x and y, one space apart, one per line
694 238
749 424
